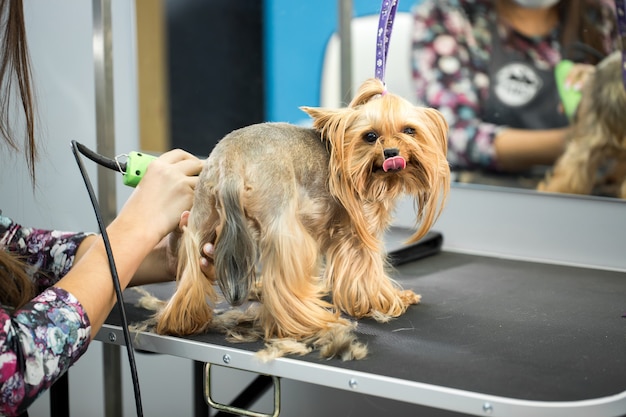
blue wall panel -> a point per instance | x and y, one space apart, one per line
296 33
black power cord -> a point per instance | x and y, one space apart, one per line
112 164
76 148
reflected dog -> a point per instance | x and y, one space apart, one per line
594 160
297 216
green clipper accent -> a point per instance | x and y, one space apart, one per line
136 167
569 97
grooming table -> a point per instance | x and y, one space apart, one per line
491 337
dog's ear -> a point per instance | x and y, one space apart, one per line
318 114
331 123
323 117
438 126
437 170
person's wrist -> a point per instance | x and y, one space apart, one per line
135 229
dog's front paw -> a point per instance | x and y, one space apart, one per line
404 299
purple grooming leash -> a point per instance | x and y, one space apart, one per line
385 24
620 8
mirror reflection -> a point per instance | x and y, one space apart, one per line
518 81
533 90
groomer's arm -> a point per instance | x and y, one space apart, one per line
84 246
160 264
152 211
518 150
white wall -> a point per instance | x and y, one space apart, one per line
60 42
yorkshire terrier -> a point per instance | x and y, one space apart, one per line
297 217
594 160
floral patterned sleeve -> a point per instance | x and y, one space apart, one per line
41 340
48 253
448 79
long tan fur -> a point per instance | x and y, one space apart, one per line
594 160
300 213
190 309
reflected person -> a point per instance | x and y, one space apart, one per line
488 66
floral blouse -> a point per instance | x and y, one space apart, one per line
41 340
452 50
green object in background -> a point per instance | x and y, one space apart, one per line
569 96
136 167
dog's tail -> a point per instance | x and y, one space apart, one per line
188 311
235 253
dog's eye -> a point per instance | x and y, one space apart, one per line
409 131
370 137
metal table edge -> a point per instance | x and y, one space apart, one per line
423 394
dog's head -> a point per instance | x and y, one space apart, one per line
604 98
381 147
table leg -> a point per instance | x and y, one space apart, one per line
60 397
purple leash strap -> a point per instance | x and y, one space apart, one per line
620 8
385 24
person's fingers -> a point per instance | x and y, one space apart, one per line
166 191
204 263
190 166
207 252
182 160
191 182
166 175
176 155
578 76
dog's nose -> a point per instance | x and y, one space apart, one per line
391 152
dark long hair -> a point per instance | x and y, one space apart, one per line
581 36
16 287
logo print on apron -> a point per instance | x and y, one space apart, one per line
516 84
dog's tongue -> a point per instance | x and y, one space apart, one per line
394 164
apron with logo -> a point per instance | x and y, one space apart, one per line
520 95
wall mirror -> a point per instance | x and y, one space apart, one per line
206 68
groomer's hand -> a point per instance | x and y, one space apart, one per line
578 76
165 191
206 261
161 264
173 243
